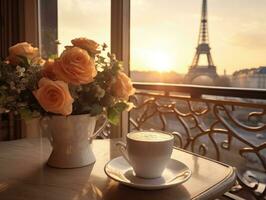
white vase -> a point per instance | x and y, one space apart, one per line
71 140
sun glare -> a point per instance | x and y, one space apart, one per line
159 61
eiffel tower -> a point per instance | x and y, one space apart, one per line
203 49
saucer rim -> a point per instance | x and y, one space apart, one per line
146 186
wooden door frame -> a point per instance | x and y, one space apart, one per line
120 45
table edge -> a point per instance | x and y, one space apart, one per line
229 180
217 190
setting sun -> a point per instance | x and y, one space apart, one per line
159 61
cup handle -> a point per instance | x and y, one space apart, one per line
178 136
122 147
101 128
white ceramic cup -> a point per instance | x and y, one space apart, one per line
148 152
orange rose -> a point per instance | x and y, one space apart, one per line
54 96
48 69
122 88
75 66
23 49
86 44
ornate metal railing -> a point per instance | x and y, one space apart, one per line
227 124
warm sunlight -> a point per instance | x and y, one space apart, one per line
159 61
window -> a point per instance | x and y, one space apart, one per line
164 36
64 20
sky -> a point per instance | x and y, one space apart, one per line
164 33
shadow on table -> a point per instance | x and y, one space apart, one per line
118 191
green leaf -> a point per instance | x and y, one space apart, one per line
53 56
113 116
113 113
120 106
24 61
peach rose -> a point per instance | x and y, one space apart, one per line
48 69
86 44
23 49
54 96
75 66
122 88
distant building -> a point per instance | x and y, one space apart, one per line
250 78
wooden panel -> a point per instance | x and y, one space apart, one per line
12 24
19 23
31 22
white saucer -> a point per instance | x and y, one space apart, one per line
175 173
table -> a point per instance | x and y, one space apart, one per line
24 175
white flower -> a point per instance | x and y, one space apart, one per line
20 71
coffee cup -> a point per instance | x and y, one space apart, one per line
148 152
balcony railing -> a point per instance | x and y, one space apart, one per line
226 124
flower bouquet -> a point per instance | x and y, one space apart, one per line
75 87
